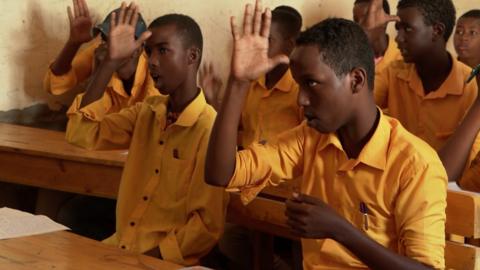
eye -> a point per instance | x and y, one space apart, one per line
473 33
162 50
459 32
148 51
311 83
408 29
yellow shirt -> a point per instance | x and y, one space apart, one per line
433 117
470 179
267 113
163 200
391 54
399 177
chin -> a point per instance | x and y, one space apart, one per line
319 127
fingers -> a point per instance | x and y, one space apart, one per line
129 13
76 8
266 23
145 35
392 18
70 15
85 10
235 30
247 20
294 208
257 19
277 60
308 199
133 21
113 21
121 14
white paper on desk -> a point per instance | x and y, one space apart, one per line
15 223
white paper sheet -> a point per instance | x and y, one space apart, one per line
15 223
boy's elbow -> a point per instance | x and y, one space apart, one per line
217 181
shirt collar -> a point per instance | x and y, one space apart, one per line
285 84
453 85
373 154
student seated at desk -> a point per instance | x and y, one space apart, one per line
467 38
270 108
372 194
384 47
425 91
461 154
164 208
73 66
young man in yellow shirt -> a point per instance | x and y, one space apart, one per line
164 207
426 91
372 194
467 38
384 47
73 65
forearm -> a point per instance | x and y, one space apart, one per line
99 82
63 63
220 162
374 255
455 153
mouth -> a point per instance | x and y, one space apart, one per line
155 76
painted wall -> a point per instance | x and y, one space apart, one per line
33 32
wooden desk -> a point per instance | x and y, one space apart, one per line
42 158
67 251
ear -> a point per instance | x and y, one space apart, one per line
194 55
290 45
438 31
358 79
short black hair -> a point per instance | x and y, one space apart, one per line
343 46
186 26
386 5
434 11
474 13
290 21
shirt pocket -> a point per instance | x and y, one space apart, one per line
379 228
179 176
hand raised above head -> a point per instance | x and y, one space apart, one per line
80 23
376 16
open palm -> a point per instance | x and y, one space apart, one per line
250 51
376 16
80 22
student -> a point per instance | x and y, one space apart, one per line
363 201
467 38
164 208
74 66
426 91
460 155
269 109
384 46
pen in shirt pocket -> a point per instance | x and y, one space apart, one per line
474 73
364 211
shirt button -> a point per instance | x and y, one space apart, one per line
156 171
132 223
123 247
145 198
161 142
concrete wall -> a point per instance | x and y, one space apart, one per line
33 32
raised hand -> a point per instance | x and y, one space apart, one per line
80 23
211 84
250 50
376 16
121 39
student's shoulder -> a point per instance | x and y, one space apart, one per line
411 151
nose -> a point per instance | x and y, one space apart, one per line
153 60
303 99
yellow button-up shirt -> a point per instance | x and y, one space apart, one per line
399 177
268 112
163 200
432 117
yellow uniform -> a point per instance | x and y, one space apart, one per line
163 200
397 176
470 179
391 54
115 97
267 113
433 117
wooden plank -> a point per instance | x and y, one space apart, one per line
67 251
461 257
48 143
463 214
57 174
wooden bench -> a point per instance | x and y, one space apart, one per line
67 251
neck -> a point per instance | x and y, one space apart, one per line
380 46
434 69
358 131
471 62
183 95
274 76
